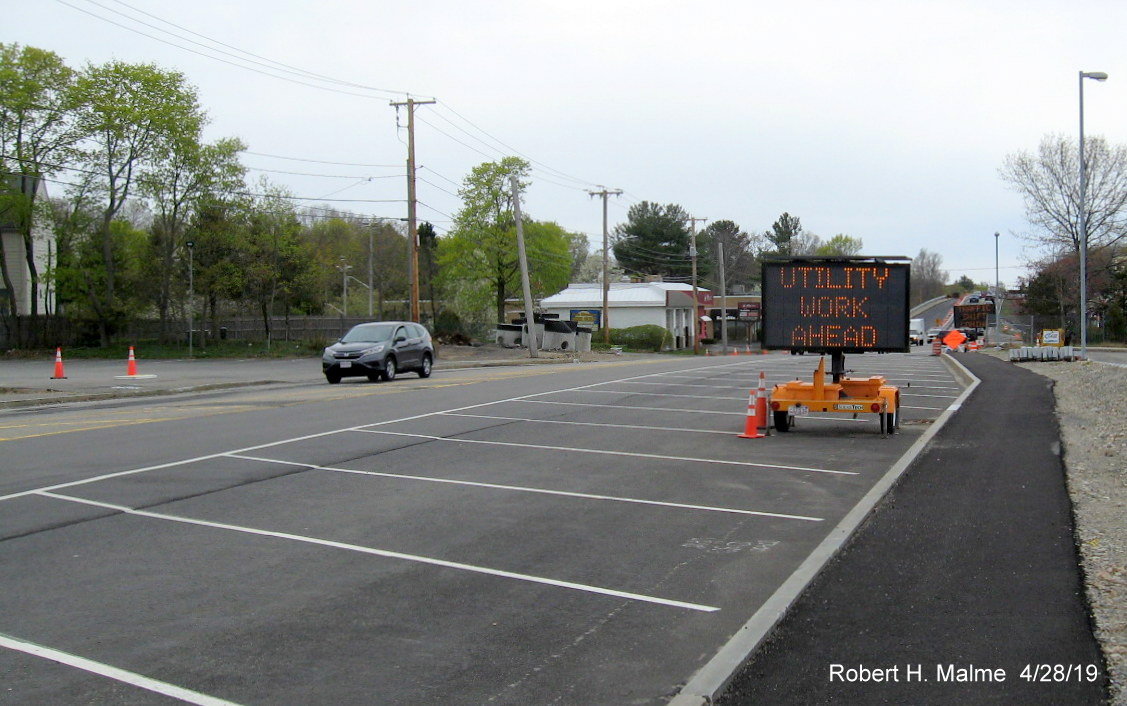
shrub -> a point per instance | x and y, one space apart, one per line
650 337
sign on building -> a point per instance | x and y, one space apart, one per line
588 318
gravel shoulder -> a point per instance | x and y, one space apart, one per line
1091 401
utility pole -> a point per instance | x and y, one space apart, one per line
529 316
693 254
606 262
412 229
723 300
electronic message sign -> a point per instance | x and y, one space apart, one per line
973 315
828 304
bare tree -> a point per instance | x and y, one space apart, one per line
1049 183
928 280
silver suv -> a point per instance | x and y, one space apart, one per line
379 350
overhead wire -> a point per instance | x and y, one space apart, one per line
246 60
278 66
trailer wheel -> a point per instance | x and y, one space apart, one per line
782 421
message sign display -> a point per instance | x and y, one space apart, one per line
852 305
973 315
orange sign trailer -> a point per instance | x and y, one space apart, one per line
871 395
836 305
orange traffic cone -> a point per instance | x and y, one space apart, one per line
756 411
131 369
59 374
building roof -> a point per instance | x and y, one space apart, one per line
619 294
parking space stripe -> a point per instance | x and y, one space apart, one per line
678 384
588 424
387 554
646 394
540 491
909 393
628 406
105 670
569 449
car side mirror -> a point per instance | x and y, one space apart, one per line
400 339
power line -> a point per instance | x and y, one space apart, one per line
321 161
510 148
225 61
325 176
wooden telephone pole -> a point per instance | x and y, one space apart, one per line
693 254
605 323
412 225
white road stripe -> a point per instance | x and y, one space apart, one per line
627 406
588 424
908 393
646 394
523 489
659 457
678 384
393 555
282 442
105 670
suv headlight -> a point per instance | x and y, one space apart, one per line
373 350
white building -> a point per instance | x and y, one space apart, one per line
15 256
665 304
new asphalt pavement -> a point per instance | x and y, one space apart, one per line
963 587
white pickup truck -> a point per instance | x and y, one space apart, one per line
916 332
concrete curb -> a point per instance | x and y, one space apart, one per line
713 678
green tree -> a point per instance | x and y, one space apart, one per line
655 240
278 273
965 284
217 229
186 174
841 244
741 265
37 134
579 249
428 267
131 113
478 260
784 231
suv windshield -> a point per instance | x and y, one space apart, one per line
369 333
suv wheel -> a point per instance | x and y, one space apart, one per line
332 377
424 371
389 369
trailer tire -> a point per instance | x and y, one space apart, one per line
782 421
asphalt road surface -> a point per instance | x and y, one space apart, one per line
568 534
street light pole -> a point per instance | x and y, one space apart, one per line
997 295
1098 76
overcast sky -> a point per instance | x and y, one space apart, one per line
886 121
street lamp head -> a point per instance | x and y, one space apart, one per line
1097 75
